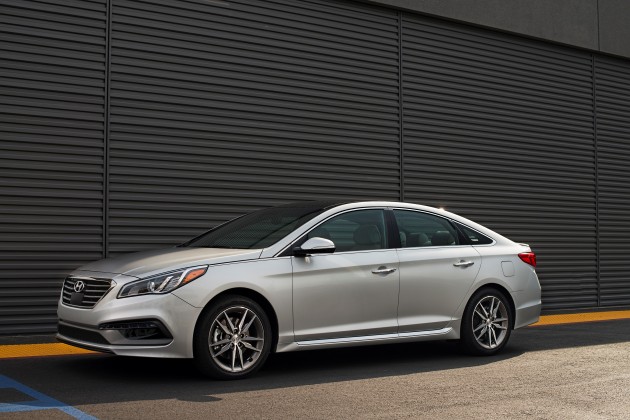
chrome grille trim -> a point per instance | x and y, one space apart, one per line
95 290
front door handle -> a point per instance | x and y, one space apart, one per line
383 270
463 263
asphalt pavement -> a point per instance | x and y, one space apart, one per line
574 371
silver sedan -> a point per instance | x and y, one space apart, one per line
304 276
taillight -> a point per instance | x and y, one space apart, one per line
528 257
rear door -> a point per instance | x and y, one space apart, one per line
436 270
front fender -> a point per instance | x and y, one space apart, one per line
270 277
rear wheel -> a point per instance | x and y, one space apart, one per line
487 323
233 339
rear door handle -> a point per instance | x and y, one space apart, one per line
463 263
383 270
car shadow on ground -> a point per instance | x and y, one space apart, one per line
93 379
139 378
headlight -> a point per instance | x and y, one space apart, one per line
162 283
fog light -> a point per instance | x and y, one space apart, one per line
138 330
140 333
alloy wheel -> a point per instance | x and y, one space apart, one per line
490 322
236 339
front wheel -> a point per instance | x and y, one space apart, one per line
487 323
233 339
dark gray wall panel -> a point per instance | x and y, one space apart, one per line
52 73
219 108
500 129
614 31
613 155
598 25
573 22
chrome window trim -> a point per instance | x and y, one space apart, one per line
435 246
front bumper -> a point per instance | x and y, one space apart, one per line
99 329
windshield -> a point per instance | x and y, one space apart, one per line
259 229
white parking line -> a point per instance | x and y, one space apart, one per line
40 402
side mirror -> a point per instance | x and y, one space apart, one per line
314 246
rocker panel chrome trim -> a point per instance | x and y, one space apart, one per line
374 338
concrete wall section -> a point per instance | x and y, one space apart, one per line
614 30
598 25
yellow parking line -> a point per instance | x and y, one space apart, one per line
34 350
581 317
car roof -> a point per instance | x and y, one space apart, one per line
318 204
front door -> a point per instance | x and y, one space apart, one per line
352 292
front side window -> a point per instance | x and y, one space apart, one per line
358 230
417 229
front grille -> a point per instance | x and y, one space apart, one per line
87 296
81 334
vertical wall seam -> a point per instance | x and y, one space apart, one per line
599 47
597 232
108 60
400 109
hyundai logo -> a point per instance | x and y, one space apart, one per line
79 286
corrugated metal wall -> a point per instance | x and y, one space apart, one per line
219 108
192 112
613 166
500 129
52 75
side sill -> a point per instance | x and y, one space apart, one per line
419 334
375 338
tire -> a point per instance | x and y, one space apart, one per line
487 323
233 339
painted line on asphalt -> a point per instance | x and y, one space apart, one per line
37 350
581 317
60 349
39 401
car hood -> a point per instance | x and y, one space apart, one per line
142 264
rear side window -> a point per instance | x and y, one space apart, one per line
417 229
475 237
